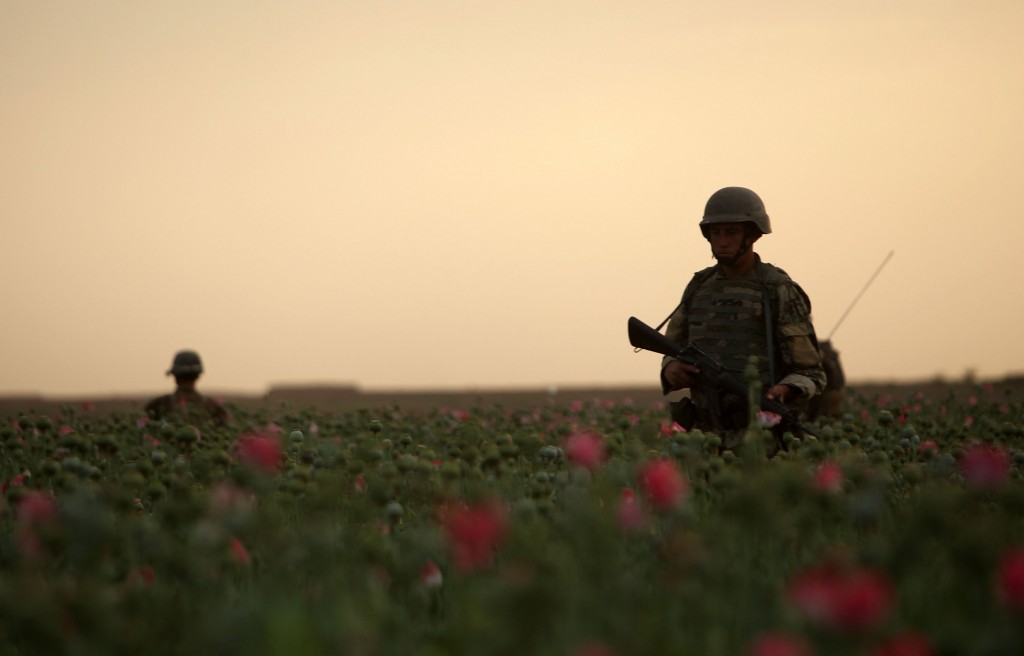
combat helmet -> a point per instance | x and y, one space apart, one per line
735 205
185 363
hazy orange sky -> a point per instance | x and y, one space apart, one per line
478 194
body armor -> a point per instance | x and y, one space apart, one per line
727 319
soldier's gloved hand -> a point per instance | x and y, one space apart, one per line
680 374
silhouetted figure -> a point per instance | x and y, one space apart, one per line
186 403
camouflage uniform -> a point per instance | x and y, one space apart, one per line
726 318
188 406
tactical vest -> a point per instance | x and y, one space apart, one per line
727 319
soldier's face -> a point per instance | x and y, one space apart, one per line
726 240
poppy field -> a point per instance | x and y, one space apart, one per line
591 527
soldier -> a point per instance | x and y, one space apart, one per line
830 402
741 307
186 402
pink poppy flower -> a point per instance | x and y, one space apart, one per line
629 513
768 419
585 449
36 508
828 478
474 533
663 484
36 511
849 600
430 575
985 466
670 428
261 452
228 498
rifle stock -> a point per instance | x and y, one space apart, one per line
644 337
712 375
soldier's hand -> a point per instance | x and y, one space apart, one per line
680 374
782 393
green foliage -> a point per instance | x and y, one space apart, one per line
119 536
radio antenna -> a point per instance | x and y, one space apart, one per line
864 289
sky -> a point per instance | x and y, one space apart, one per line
458 194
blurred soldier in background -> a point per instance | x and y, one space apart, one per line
830 402
741 307
186 403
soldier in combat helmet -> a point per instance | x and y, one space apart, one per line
186 402
738 308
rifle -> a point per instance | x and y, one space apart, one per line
713 376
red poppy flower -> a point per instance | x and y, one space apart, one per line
36 508
985 466
845 599
630 514
585 449
474 533
663 484
1010 578
260 451
828 477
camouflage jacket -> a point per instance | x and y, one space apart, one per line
794 349
189 406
